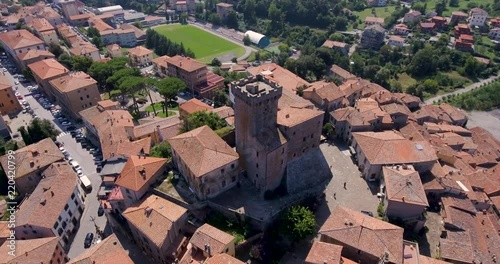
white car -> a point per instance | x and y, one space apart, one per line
16 83
69 158
79 173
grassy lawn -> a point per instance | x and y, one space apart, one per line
159 109
455 76
384 12
205 46
486 47
462 5
406 80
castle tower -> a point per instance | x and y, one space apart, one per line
261 146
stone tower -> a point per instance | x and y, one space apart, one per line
261 146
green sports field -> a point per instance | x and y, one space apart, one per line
205 45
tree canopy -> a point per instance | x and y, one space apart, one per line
202 118
162 150
298 223
164 46
37 130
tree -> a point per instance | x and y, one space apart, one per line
232 20
284 48
118 77
27 73
453 3
66 60
93 32
82 63
216 62
6 146
169 88
440 7
202 118
249 11
162 150
247 41
137 24
97 42
298 223
25 135
40 129
215 19
129 86
220 97
471 67
55 49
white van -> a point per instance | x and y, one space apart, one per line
86 184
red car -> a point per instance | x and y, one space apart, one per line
20 97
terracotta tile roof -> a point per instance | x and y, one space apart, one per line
99 24
31 54
154 217
150 127
113 47
456 251
18 39
337 70
83 50
459 13
33 157
365 233
194 105
414 13
80 16
184 63
47 69
40 24
395 108
433 112
117 31
139 33
72 81
138 171
4 229
359 85
38 250
397 39
282 76
49 197
202 150
428 260
379 20
441 128
326 91
217 239
108 251
385 97
331 44
389 147
321 253
223 258
5 83
404 185
170 130
139 51
290 99
131 148
224 111
290 116
427 25
408 98
454 113
105 104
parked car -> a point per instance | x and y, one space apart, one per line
100 211
66 123
79 173
367 213
88 240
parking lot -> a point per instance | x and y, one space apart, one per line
85 158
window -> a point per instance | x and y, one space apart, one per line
70 213
233 179
59 231
56 225
66 207
208 191
81 98
72 195
257 165
257 175
232 166
34 231
64 224
304 139
59 218
257 153
88 96
222 171
11 101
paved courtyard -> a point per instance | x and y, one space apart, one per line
357 195
487 120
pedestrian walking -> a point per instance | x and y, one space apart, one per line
335 196
345 185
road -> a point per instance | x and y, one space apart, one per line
248 50
85 160
462 90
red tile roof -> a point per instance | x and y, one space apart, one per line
321 253
38 250
138 171
217 239
18 39
202 150
108 251
368 234
47 69
404 185
194 105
